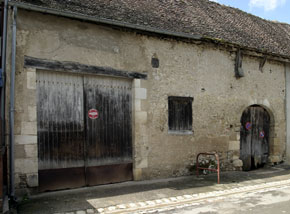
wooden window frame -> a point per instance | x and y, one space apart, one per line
180 115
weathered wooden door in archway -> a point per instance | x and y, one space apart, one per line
254 141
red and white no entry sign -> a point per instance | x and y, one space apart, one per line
93 113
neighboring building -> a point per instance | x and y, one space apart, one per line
110 91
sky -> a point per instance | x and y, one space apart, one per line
276 10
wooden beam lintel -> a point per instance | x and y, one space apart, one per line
75 67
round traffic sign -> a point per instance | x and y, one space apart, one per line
262 134
93 113
248 126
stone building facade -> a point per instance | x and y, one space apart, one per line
175 67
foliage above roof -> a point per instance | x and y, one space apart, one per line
193 17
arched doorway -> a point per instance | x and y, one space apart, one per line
254 140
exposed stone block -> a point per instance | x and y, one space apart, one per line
29 128
137 105
25 139
144 105
238 163
137 174
27 165
276 141
19 151
32 113
141 93
31 80
141 117
90 211
234 145
275 159
143 163
144 84
233 136
32 180
20 180
17 128
277 150
237 129
235 157
137 83
30 151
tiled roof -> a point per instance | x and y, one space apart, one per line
192 17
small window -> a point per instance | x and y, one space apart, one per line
180 114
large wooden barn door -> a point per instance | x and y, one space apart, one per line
109 138
84 130
60 116
254 137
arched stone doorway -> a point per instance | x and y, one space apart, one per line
254 137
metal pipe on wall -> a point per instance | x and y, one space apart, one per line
12 92
287 108
3 91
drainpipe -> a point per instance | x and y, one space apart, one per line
287 71
3 91
11 112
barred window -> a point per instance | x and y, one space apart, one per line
180 114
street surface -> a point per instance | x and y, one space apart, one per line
263 191
267 201
263 200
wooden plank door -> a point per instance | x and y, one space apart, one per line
254 137
260 137
84 130
60 130
246 139
109 136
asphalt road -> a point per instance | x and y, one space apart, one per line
273 200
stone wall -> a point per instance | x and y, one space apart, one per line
26 162
202 71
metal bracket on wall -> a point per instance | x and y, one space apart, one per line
262 63
239 72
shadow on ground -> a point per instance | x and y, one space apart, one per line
135 191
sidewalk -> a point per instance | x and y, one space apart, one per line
118 197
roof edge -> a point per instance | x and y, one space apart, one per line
101 20
144 29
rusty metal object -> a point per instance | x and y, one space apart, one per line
109 174
56 179
214 170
